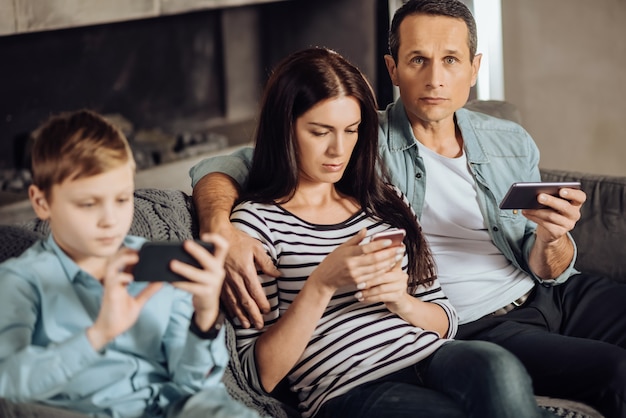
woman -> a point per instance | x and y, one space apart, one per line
358 328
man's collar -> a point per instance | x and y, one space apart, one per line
400 132
401 135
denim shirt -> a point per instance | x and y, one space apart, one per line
499 153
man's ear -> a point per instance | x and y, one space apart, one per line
39 202
391 69
475 68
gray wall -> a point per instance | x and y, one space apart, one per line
565 68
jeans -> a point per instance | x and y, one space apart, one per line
571 338
461 379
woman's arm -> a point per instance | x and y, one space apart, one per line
418 310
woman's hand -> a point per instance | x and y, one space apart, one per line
353 263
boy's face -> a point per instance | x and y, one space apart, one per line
89 217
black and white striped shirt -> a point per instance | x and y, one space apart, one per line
354 342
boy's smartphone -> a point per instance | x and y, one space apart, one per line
155 257
396 236
523 195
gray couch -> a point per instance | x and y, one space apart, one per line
169 215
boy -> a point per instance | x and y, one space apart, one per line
75 331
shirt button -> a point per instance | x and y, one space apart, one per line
418 176
495 229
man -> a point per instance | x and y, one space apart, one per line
509 274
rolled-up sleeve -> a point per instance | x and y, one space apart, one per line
236 165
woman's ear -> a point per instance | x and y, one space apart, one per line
39 202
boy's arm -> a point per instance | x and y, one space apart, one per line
29 372
194 362
214 195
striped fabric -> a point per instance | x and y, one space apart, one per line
354 342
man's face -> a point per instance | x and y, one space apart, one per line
89 217
433 71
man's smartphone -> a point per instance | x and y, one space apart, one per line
523 195
155 257
396 236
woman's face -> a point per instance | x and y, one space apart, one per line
326 136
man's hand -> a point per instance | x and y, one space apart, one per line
119 310
242 293
553 251
561 215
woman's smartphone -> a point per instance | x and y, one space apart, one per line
523 195
396 236
155 257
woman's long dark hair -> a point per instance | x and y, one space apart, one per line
298 83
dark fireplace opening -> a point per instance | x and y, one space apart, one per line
178 85
153 76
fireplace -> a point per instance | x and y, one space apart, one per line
182 77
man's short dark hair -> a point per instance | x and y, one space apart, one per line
451 8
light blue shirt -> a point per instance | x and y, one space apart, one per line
46 304
499 153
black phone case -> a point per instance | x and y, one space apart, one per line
155 257
524 195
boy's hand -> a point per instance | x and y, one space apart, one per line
204 283
119 310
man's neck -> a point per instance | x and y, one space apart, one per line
442 137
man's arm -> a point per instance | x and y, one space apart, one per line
214 196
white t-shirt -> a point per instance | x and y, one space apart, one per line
473 273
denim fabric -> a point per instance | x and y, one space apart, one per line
461 379
499 153
571 339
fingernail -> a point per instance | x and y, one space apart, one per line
245 324
399 257
359 296
361 285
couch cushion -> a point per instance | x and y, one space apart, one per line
601 230
160 215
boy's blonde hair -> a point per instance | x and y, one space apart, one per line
75 145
